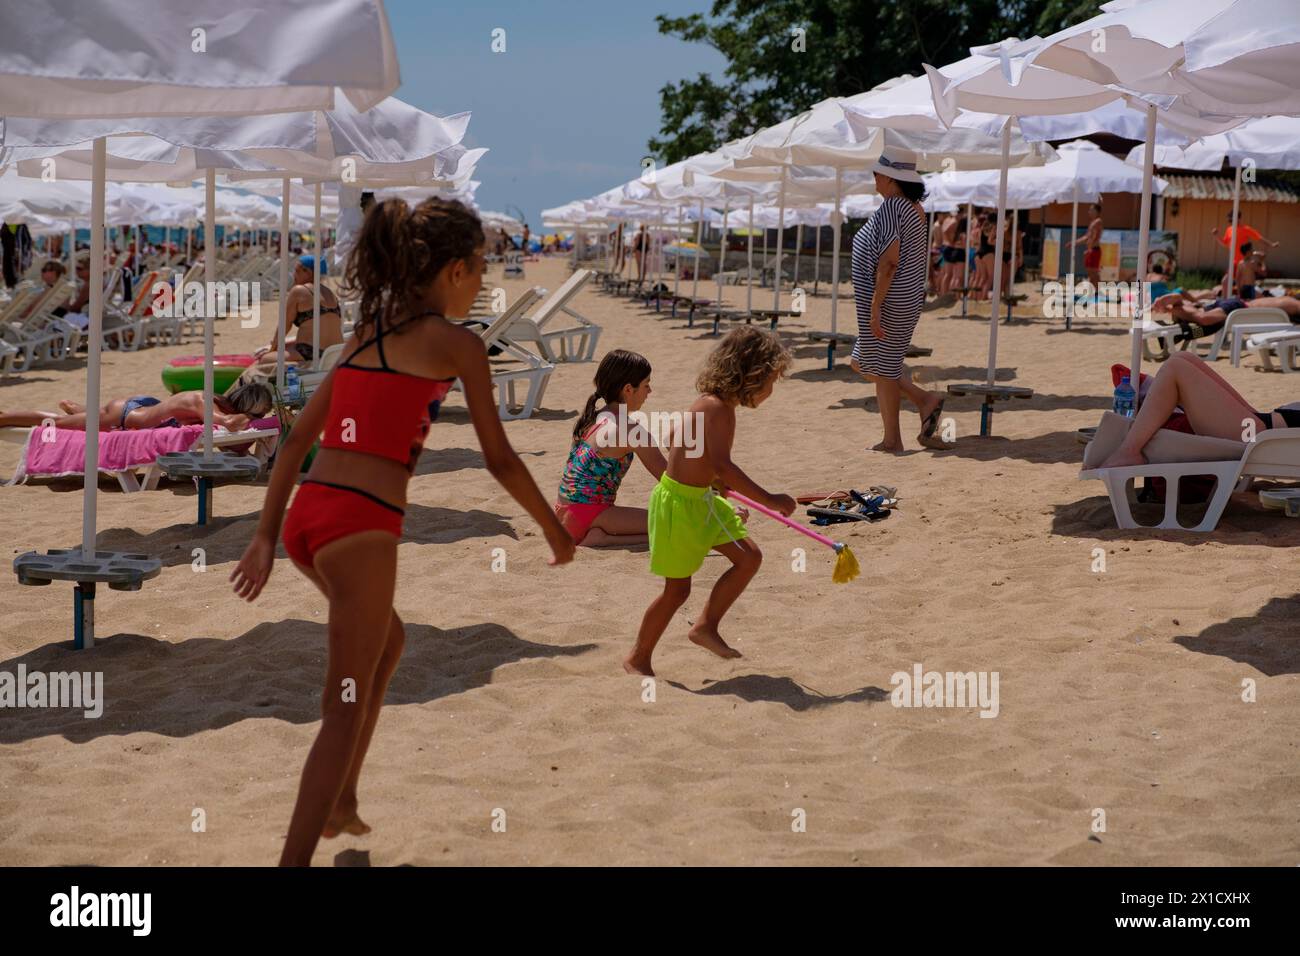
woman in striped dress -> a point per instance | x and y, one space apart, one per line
889 273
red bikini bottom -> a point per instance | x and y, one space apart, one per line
323 512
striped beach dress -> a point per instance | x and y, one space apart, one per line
896 218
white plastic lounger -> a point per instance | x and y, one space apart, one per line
1284 345
1261 320
574 344
534 374
1163 337
1212 346
41 336
145 477
263 446
1274 453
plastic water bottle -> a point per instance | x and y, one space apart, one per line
294 388
1125 398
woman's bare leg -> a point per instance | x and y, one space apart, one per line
109 418
359 573
1211 409
888 398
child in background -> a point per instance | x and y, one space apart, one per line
1248 270
597 462
688 517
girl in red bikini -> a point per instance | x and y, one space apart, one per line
412 268
598 460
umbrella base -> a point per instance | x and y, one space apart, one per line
207 471
119 570
991 393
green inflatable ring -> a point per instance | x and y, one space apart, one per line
190 379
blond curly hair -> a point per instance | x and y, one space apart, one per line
741 364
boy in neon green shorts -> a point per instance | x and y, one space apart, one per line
688 517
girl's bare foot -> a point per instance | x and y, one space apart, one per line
892 449
344 822
709 639
637 665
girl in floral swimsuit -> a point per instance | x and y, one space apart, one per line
602 453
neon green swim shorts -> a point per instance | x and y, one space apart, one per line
685 524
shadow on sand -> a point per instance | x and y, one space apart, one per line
754 688
1269 641
273 671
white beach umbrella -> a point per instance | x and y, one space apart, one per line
845 137
1081 173
1269 143
105 59
1225 57
192 57
1021 83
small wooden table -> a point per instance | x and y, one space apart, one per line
720 313
991 393
693 304
772 315
1013 300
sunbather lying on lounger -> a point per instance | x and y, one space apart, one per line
232 412
1210 313
1213 407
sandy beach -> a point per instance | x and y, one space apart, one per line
1120 691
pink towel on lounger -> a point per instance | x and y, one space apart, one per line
64 454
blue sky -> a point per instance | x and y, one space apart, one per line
567 108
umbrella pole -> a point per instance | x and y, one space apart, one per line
929 262
749 262
798 248
1232 246
965 260
661 262
315 285
817 270
695 267
1144 241
780 243
88 502
284 286
210 273
189 245
837 226
677 266
1074 234
999 243
722 249
1011 277
72 248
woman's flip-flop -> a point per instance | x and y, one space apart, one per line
935 442
931 423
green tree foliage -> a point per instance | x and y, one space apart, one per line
847 46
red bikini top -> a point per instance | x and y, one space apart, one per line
380 411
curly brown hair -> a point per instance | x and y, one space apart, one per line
401 250
741 364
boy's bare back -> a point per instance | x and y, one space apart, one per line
698 465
